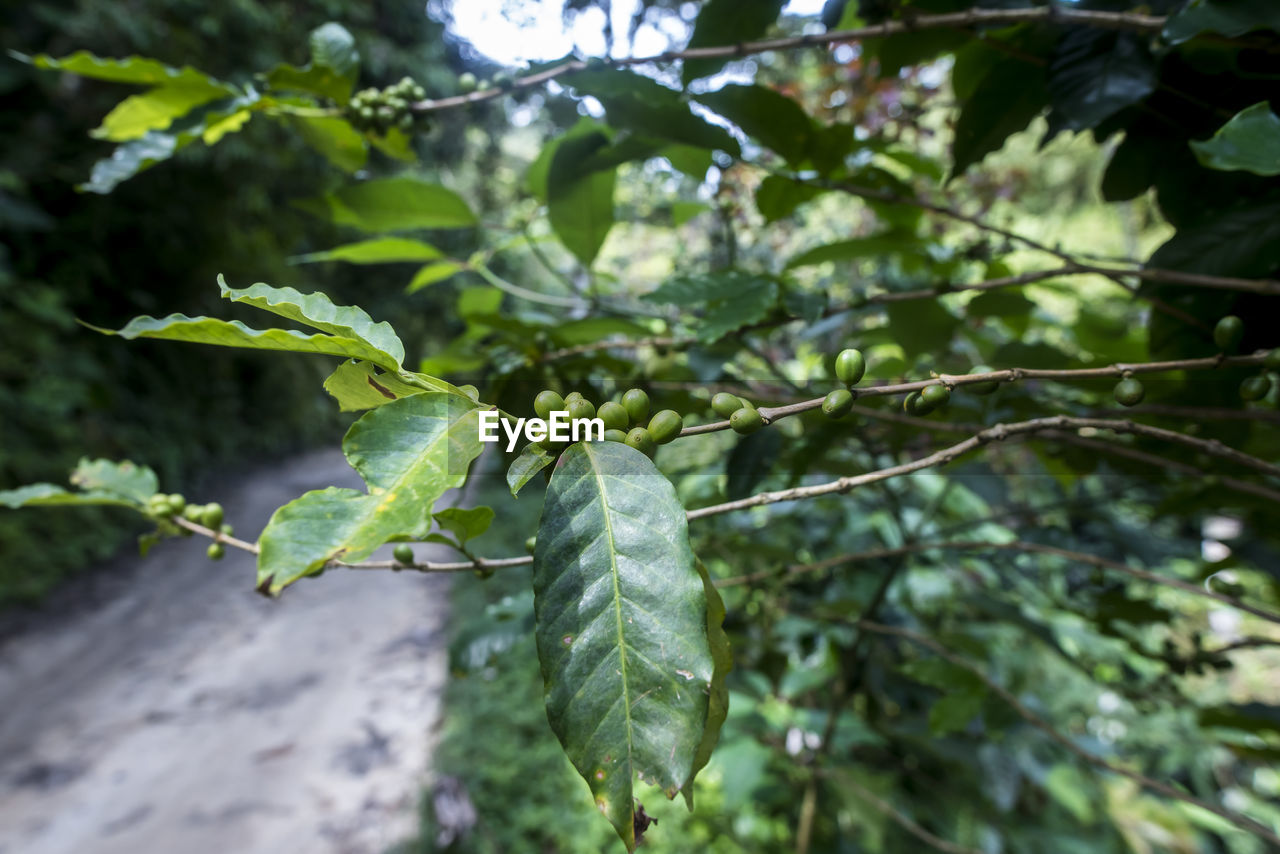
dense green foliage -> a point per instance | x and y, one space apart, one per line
970 603
156 243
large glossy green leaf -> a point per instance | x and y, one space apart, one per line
333 47
646 107
778 197
1242 242
376 250
773 119
533 459
1230 18
52 495
156 108
126 479
133 157
335 138
727 22
1004 101
718 699
728 300
393 204
131 69
233 333
1250 141
621 626
359 385
319 312
1095 74
409 452
124 484
579 198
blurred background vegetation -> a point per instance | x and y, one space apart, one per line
155 246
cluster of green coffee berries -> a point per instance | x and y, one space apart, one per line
468 83
1227 335
380 110
625 420
167 507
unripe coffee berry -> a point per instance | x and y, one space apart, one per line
850 366
636 402
915 404
580 408
935 395
746 420
613 416
837 404
640 439
1255 388
403 553
725 404
981 388
615 435
547 402
1228 333
212 516
1129 392
665 426
216 551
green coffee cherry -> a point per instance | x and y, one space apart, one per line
725 404
502 80
193 513
1228 334
177 502
665 426
1255 388
746 420
572 396
580 408
636 402
467 82
1129 392
613 416
615 435
981 388
403 553
935 395
1272 359
547 402
915 404
640 439
850 366
226 529
216 551
531 544
837 404
212 516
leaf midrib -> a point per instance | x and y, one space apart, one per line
617 608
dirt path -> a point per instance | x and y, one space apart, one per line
188 714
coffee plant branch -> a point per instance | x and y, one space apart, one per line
847 783
1112 448
773 413
1241 821
970 18
1015 546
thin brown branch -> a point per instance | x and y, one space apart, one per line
998 433
1243 822
887 810
970 18
1244 486
1197 413
772 414
1013 546
216 536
